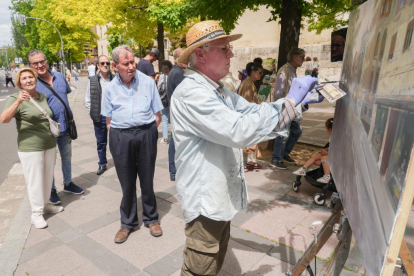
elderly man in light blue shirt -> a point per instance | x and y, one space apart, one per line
211 126
132 108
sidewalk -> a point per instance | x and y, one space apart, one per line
267 239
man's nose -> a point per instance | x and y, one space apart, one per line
230 54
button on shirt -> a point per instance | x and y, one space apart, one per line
211 126
62 88
133 106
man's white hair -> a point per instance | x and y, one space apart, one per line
117 51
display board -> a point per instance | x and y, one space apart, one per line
373 133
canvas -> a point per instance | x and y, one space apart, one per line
372 139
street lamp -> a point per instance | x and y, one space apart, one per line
22 20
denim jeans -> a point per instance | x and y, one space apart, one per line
76 77
171 156
284 146
165 115
64 143
101 134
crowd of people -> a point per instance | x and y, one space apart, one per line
211 125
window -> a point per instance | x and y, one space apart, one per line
383 41
408 36
377 44
392 47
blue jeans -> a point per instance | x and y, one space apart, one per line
76 77
284 146
101 134
64 143
165 115
171 156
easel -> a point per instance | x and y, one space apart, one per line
398 246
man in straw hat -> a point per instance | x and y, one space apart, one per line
211 126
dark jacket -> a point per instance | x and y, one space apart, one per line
175 77
96 97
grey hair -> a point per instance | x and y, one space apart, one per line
295 52
117 51
193 59
175 52
35 52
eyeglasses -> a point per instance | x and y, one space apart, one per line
303 57
103 63
260 72
37 63
225 49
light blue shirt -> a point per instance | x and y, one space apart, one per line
211 126
133 106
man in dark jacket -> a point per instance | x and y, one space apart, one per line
175 77
93 99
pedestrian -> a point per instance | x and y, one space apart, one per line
210 127
285 76
95 93
175 77
75 73
91 70
9 78
166 67
132 108
315 70
68 74
266 72
308 66
56 89
36 145
145 65
249 92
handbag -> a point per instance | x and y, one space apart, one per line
73 133
163 94
53 126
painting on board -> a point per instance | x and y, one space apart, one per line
372 141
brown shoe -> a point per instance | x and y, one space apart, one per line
155 229
122 235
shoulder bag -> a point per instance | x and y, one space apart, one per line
73 133
53 126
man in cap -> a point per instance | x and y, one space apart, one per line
132 108
145 64
211 126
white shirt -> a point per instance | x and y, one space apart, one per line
309 66
91 70
104 83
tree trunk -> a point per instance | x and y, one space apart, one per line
290 20
160 40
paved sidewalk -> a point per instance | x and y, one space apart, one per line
267 239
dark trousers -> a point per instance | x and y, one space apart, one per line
284 146
9 80
101 134
171 156
134 151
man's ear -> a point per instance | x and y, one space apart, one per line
200 55
113 64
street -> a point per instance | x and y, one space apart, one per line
8 132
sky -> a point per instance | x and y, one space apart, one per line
5 23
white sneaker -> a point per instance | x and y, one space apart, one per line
300 171
164 141
38 221
52 209
324 179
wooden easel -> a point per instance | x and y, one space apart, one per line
398 246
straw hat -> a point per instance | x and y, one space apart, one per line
203 33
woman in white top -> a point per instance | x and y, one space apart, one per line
308 66
315 69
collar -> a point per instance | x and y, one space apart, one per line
51 73
291 66
109 78
216 85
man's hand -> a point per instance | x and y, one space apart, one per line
108 122
300 87
158 118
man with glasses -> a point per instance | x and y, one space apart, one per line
285 75
48 80
95 92
145 64
211 126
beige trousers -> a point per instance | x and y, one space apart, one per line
38 168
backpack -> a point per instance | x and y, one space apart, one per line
163 93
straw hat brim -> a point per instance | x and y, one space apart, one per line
185 56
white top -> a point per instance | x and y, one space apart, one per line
91 70
309 66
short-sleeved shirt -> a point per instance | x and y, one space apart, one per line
133 106
61 86
146 67
32 126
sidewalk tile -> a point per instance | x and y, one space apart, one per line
36 236
87 269
56 261
113 265
56 225
99 222
70 235
87 247
251 240
39 248
269 266
168 264
240 258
